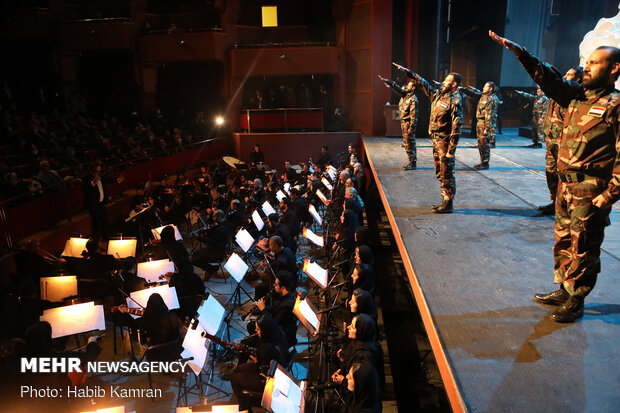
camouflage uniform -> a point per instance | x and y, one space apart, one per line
408 118
539 111
588 165
486 115
552 129
445 130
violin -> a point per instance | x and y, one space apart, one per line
124 309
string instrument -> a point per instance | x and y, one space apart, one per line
124 309
79 378
238 347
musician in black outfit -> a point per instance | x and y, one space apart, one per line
256 156
325 157
158 324
289 217
274 227
258 195
188 285
272 346
282 305
96 199
289 175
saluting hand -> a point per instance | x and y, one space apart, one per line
508 44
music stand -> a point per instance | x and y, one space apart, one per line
258 221
153 271
314 238
122 248
56 289
327 184
74 247
237 268
307 315
315 215
267 208
316 272
280 195
74 319
244 240
283 393
322 197
157 232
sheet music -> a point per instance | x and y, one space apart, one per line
194 345
286 395
315 214
55 289
169 295
210 315
122 248
316 272
327 184
236 267
258 221
74 319
157 232
309 315
314 238
280 195
74 247
244 239
287 188
267 208
152 270
322 197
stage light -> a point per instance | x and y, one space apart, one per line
219 121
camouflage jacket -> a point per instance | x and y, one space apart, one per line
541 103
407 104
487 110
446 112
590 141
554 121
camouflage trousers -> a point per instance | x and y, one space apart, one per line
484 142
579 233
409 141
537 128
551 166
444 166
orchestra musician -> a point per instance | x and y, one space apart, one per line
158 324
282 305
96 199
272 345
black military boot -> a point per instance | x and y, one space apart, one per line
557 297
482 165
410 166
445 207
571 310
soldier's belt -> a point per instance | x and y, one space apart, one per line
574 177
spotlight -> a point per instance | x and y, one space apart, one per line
219 121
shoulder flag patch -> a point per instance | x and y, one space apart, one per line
597 111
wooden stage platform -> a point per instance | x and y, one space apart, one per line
474 272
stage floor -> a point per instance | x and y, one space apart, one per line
474 273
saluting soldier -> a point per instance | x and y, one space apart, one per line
486 120
588 169
408 118
445 130
539 112
554 121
